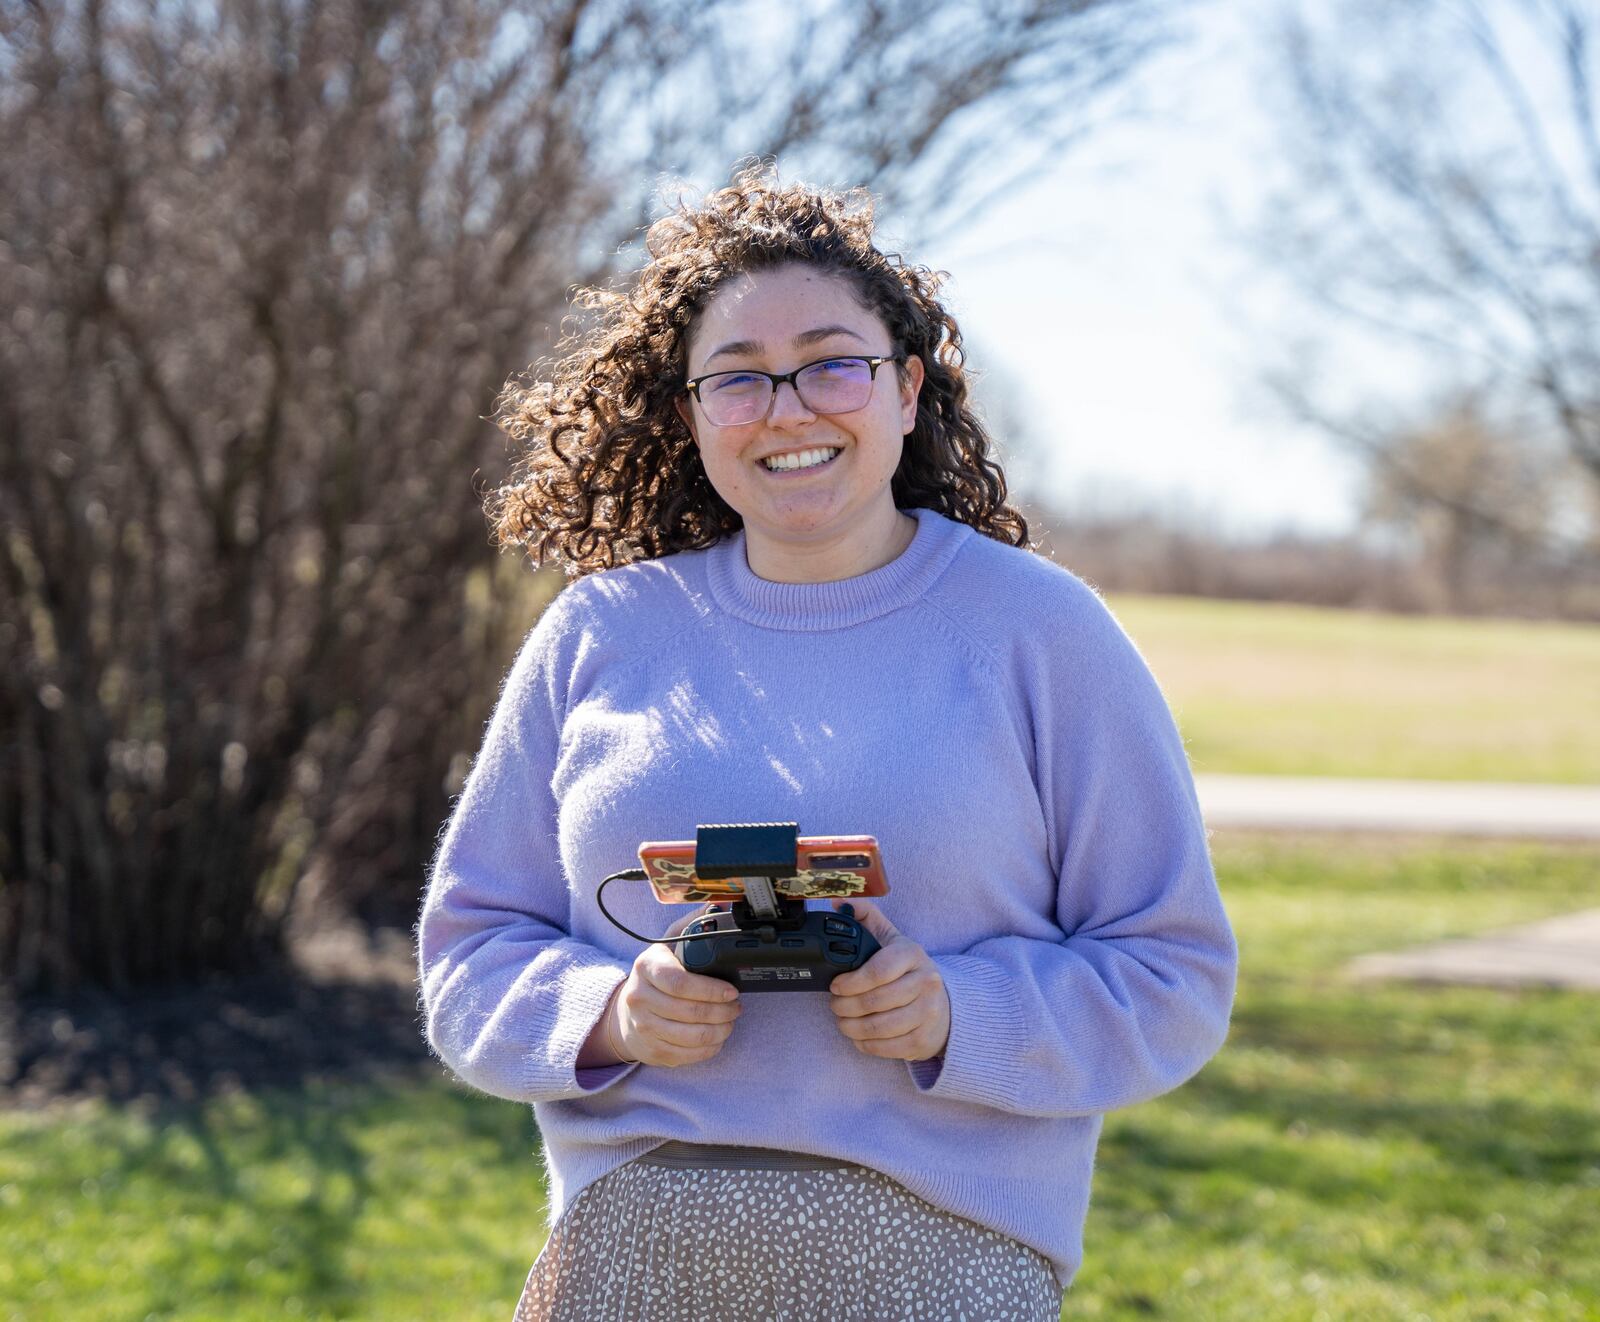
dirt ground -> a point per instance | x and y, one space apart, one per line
347 1008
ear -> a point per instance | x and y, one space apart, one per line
908 394
686 412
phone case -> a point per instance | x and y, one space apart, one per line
830 867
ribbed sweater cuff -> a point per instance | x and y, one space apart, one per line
584 1000
987 1036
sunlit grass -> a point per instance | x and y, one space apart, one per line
1295 690
386 1201
1356 1151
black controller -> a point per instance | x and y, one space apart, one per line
803 950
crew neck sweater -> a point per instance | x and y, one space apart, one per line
973 706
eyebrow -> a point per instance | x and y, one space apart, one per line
800 341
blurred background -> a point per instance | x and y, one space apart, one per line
1286 318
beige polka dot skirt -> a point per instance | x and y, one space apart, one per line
671 1238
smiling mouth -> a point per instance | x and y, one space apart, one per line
800 460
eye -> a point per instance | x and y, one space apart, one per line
733 381
834 366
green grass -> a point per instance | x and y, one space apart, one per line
1354 1152
1295 690
387 1201
1363 1151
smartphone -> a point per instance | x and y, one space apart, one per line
829 867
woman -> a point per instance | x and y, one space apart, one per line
805 599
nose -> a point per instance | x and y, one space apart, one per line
787 407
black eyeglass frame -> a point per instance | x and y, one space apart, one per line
873 362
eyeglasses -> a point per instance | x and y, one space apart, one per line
829 385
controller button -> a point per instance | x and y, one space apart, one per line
842 947
833 927
793 943
749 944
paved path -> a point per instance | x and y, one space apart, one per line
1557 952
1551 812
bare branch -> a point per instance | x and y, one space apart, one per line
266 266
1436 195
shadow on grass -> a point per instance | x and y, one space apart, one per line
271 1136
1496 1138
301 1224
181 1045
291 1193
1430 1101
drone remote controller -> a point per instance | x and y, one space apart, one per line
799 951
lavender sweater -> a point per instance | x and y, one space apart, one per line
973 706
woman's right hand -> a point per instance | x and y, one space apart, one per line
665 1015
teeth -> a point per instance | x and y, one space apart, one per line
803 459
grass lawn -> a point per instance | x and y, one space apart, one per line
1276 689
1355 1152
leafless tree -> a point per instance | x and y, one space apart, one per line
1474 502
1443 190
264 266
1156 551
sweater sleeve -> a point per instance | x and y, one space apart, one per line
1136 997
509 996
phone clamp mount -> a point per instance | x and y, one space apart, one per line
767 941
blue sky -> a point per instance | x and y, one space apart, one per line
1129 323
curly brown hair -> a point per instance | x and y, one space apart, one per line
609 471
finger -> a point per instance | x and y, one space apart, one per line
904 990
892 962
678 1057
652 1051
667 975
909 1046
692 1036
872 918
885 1025
675 1008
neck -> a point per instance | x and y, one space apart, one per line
826 562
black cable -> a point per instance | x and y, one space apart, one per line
639 874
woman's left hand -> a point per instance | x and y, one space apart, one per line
895 1004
